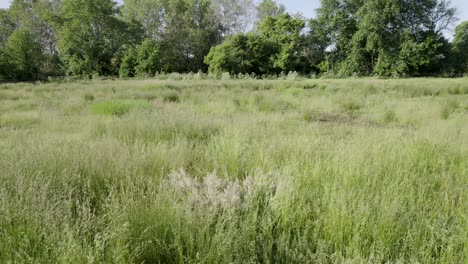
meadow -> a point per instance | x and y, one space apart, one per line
234 171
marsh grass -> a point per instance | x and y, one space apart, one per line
234 171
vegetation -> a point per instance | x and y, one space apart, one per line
234 141
460 50
234 171
275 47
89 38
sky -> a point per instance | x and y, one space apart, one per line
307 7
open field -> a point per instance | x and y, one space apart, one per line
245 171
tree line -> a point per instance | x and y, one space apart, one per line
403 38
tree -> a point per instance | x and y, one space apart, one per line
316 45
285 32
377 36
37 17
336 23
21 59
92 37
129 62
242 53
234 16
7 26
460 48
185 30
190 33
149 13
148 58
269 8
276 46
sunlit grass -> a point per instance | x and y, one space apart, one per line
234 171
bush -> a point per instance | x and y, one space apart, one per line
148 59
129 61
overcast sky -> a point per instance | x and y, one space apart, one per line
307 7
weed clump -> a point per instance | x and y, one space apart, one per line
89 97
268 104
171 96
309 86
351 105
118 108
389 117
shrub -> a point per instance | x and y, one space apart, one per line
129 61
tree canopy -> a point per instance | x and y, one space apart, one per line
460 48
41 38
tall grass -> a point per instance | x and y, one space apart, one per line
234 171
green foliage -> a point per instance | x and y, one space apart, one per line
387 37
147 38
460 48
275 46
269 9
179 34
148 59
21 58
145 60
39 18
129 62
91 37
242 53
7 26
284 32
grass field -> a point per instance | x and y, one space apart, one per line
235 171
